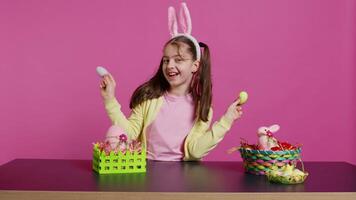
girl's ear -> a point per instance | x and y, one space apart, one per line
195 66
172 22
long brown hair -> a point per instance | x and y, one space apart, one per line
201 86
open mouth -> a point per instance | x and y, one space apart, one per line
172 74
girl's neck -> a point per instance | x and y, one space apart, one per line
178 92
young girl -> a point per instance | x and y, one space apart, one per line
171 113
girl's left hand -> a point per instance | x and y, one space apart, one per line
234 111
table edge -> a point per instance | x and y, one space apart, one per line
89 195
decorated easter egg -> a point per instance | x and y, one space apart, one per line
113 135
243 97
101 71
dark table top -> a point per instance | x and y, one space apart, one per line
77 175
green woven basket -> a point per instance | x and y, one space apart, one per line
119 163
259 161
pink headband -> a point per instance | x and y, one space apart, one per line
186 25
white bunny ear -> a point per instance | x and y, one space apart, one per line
185 20
172 22
274 128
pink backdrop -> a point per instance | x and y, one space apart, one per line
295 58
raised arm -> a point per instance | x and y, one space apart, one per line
203 138
132 125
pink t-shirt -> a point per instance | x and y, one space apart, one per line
166 134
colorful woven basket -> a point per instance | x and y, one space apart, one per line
259 161
114 163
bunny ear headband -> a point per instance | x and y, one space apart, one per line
186 26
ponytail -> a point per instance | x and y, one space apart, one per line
202 85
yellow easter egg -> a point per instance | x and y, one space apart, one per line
243 97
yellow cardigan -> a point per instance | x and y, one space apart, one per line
198 143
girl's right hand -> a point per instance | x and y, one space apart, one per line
234 111
107 87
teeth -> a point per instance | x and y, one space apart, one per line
172 73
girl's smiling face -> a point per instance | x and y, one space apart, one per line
178 67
